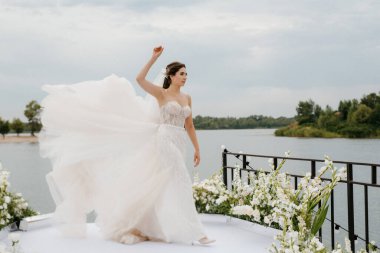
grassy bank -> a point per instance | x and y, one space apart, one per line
295 130
305 131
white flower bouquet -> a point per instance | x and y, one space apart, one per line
211 195
13 207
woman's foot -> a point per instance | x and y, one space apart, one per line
132 237
206 240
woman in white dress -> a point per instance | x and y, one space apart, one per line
122 156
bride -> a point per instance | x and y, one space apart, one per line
123 156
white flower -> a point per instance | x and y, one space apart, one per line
338 249
348 245
255 201
7 199
256 215
281 221
243 210
267 220
220 200
342 173
287 153
292 236
319 245
328 161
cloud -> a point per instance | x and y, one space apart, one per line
233 50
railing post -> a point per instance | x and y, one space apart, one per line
313 174
366 227
224 164
320 230
313 169
275 163
244 165
332 219
350 205
374 174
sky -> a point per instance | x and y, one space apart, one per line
243 57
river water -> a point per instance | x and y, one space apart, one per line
28 169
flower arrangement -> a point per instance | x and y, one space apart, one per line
13 207
271 200
211 196
347 249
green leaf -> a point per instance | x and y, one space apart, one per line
319 217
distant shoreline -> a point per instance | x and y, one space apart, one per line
18 139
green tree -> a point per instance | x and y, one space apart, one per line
317 111
374 119
344 108
4 127
362 114
17 126
328 120
354 106
370 100
32 113
306 112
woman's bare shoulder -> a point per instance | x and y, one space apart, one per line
185 95
188 97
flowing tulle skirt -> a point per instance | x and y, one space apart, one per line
110 154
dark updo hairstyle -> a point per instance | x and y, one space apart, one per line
171 70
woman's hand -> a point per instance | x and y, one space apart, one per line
157 51
197 158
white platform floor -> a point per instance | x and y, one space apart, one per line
233 236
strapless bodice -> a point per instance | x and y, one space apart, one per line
172 113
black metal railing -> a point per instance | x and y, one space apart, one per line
350 182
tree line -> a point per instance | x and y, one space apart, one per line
254 121
32 113
353 119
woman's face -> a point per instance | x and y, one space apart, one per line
180 77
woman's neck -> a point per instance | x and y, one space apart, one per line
174 90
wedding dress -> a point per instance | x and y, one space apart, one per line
122 156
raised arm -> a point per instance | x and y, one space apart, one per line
149 87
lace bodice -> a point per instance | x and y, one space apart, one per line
173 113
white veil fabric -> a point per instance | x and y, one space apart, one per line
100 138
151 101
160 78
